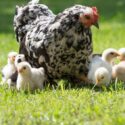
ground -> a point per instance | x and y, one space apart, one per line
66 105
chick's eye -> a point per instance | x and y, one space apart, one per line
102 77
24 68
112 53
87 17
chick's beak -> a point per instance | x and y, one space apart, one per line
20 70
97 81
96 25
120 57
118 54
13 58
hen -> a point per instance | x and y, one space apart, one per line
62 43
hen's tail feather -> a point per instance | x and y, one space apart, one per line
23 19
34 2
26 16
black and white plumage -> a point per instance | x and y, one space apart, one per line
13 79
61 43
19 58
9 69
29 78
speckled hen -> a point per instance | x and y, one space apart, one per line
61 43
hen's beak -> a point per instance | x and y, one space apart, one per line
96 25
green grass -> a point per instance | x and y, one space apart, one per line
104 106
72 106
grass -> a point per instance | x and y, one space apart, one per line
104 106
72 106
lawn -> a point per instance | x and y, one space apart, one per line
71 105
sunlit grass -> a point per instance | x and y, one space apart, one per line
110 34
66 105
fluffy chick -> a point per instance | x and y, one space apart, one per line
29 78
122 54
9 69
12 81
102 76
119 69
109 54
99 72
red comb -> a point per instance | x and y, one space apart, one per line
94 9
95 13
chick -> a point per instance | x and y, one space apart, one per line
99 72
109 54
29 78
100 68
119 69
102 76
121 56
12 81
9 69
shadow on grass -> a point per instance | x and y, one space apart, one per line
63 85
109 10
66 84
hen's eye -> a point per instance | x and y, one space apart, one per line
87 17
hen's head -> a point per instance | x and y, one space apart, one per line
90 17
